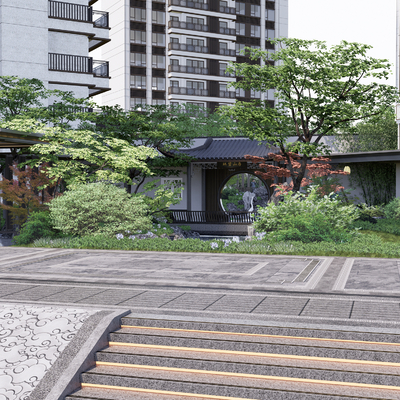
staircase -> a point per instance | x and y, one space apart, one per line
166 359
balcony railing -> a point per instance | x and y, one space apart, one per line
227 31
223 72
214 217
187 91
227 94
227 52
78 64
78 12
101 69
187 25
189 4
187 70
187 47
100 19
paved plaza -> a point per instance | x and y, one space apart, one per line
66 287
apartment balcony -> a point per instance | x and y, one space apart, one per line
78 13
189 4
188 70
227 94
188 47
187 91
78 64
187 25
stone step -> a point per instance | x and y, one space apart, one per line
306 368
212 383
155 359
259 344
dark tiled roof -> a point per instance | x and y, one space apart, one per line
230 149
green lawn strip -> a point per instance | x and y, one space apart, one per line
369 244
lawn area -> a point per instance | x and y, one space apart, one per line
365 244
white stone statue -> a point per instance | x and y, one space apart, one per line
248 198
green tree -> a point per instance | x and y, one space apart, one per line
377 133
162 128
318 90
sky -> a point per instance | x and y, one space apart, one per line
365 21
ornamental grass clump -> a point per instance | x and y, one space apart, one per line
307 218
99 209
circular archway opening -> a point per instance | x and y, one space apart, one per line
243 192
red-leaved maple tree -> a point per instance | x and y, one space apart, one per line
319 167
25 193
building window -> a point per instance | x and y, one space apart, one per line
255 94
223 45
255 31
270 14
240 8
239 48
173 183
158 17
195 63
174 62
240 29
138 37
269 34
194 42
158 83
158 39
138 14
138 59
137 101
174 40
222 68
255 10
223 24
240 93
223 87
195 85
174 83
158 61
158 102
196 21
138 81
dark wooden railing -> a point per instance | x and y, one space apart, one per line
78 12
213 217
69 63
72 12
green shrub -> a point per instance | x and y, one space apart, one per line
2 220
392 209
99 208
309 228
38 225
381 225
301 217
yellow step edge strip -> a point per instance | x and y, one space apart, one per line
250 376
269 355
165 392
261 335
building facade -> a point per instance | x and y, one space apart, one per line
177 51
52 41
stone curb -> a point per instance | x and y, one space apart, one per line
64 376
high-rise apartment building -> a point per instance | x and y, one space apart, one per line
52 41
177 51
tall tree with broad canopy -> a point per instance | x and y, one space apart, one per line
318 90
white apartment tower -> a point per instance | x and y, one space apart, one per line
52 41
176 51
